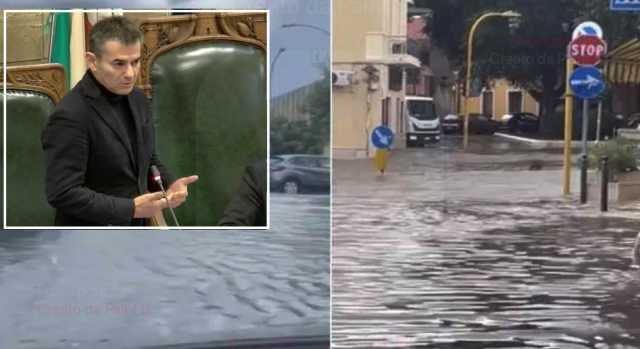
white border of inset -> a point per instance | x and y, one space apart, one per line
330 172
164 11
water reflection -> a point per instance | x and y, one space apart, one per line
483 275
106 289
453 249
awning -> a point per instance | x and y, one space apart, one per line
622 64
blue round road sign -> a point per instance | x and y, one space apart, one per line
587 82
382 137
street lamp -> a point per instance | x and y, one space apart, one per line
273 64
290 25
508 14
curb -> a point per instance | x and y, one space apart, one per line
541 143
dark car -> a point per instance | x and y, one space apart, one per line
523 122
482 124
297 173
452 123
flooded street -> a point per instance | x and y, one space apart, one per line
119 289
476 250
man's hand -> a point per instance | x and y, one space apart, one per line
147 205
178 191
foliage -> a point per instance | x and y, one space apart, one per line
318 106
531 51
622 153
302 136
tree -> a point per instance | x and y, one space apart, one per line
531 55
318 106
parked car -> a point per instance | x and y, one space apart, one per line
297 173
452 123
523 122
482 124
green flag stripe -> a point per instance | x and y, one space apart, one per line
60 46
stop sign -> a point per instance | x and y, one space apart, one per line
587 49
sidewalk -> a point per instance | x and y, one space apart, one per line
543 143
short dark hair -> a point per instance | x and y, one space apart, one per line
117 28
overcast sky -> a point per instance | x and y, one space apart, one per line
305 48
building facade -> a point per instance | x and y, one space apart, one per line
369 62
500 98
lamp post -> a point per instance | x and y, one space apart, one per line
273 64
510 14
290 25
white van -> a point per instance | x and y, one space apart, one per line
423 124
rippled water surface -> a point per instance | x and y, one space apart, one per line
443 253
113 289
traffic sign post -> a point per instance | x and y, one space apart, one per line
587 28
587 82
382 139
587 49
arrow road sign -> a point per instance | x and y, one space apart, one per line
382 137
587 82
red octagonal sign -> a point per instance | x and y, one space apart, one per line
587 49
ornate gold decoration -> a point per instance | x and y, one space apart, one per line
45 78
165 33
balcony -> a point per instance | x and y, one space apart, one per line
390 50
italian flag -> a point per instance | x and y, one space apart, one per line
69 40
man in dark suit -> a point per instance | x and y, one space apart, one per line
248 207
99 143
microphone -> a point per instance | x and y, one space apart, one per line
155 173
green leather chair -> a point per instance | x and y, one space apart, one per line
30 100
209 101
27 113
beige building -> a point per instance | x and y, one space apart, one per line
369 58
503 98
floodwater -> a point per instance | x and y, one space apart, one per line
475 250
117 289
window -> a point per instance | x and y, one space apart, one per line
395 78
422 109
398 113
401 116
487 103
514 101
385 111
398 48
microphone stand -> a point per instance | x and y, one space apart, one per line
158 179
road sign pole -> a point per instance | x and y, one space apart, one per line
585 124
599 121
587 82
568 129
585 156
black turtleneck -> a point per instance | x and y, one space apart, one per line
122 112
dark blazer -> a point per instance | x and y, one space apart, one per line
248 207
91 173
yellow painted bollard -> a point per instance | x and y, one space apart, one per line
380 160
382 139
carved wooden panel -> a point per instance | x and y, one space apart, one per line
164 33
45 78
